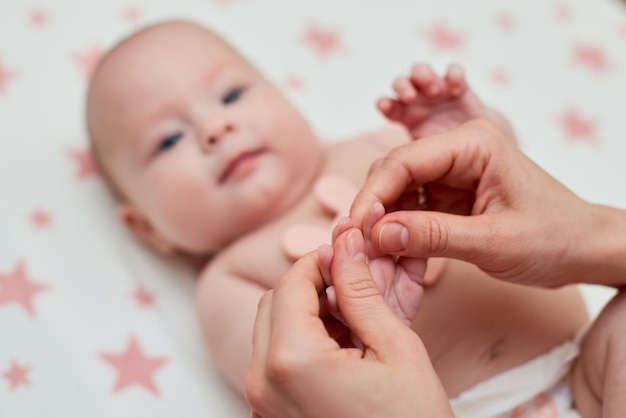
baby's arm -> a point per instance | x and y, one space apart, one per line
227 306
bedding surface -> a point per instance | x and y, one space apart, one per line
92 324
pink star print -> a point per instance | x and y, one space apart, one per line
143 297
294 83
41 219
132 14
133 367
500 77
577 127
88 60
323 41
38 18
505 21
85 163
6 75
563 13
15 287
17 375
444 38
592 57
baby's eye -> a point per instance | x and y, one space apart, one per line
232 96
169 142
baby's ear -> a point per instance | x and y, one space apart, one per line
143 229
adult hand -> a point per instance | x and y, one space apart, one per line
524 226
299 369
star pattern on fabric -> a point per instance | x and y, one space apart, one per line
132 14
562 13
592 57
143 297
40 218
85 163
323 41
38 18
17 288
443 37
17 375
6 75
88 60
294 83
577 127
505 21
134 367
500 77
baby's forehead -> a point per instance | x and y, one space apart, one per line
147 52
171 38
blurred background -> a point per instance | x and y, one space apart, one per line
81 302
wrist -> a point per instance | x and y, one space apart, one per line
604 246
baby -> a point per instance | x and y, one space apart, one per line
207 158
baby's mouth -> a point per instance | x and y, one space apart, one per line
240 165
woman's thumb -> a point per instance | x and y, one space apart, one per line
434 234
358 298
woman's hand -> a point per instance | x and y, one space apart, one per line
300 368
488 204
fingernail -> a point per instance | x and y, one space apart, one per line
393 237
355 246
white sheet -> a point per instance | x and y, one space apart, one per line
540 62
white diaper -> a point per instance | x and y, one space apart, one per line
537 389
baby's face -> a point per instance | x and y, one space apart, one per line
203 147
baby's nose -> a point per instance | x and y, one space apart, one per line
215 136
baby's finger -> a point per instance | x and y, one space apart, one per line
391 109
377 212
343 225
455 78
415 268
425 80
325 259
385 105
404 89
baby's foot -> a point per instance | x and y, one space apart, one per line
428 104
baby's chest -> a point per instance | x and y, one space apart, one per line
268 252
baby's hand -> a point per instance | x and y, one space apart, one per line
427 104
400 281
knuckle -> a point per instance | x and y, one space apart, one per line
436 235
284 366
361 289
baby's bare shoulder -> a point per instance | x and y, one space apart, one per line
256 258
